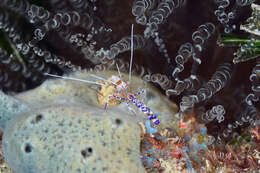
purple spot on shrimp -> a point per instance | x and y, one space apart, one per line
105 106
157 122
153 116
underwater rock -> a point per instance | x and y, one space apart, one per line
66 130
9 108
4 168
72 138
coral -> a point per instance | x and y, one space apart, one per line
242 159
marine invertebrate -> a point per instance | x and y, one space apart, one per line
215 112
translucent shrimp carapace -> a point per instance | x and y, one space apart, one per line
113 86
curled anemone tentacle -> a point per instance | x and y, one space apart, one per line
244 2
162 80
140 7
215 112
218 81
164 9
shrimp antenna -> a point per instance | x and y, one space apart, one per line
118 71
71 78
132 52
98 77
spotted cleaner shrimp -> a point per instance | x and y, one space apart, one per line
120 89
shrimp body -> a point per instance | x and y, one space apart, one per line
116 91
120 85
